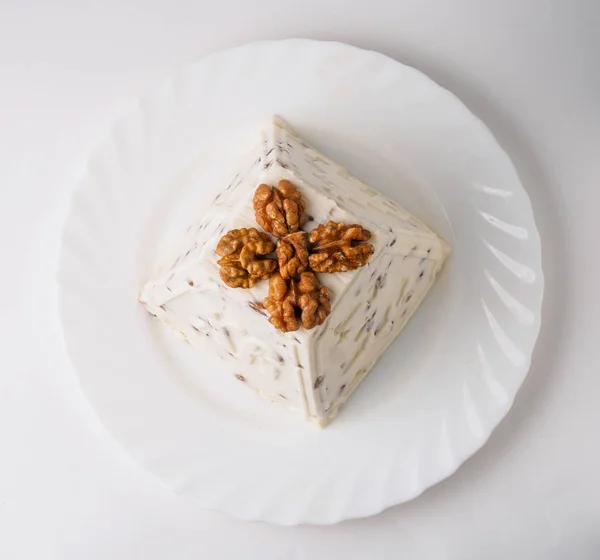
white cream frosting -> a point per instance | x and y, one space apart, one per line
313 371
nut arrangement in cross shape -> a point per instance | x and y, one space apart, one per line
296 296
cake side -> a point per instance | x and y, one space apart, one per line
379 304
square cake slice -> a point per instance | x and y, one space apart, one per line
315 370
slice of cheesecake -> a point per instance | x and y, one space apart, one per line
312 370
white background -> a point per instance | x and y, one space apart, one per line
529 69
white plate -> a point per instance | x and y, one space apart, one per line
438 392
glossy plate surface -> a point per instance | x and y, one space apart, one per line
438 392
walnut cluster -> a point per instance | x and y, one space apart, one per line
296 297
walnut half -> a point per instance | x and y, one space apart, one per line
279 210
294 301
243 263
292 254
339 247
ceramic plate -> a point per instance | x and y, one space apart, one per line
434 397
